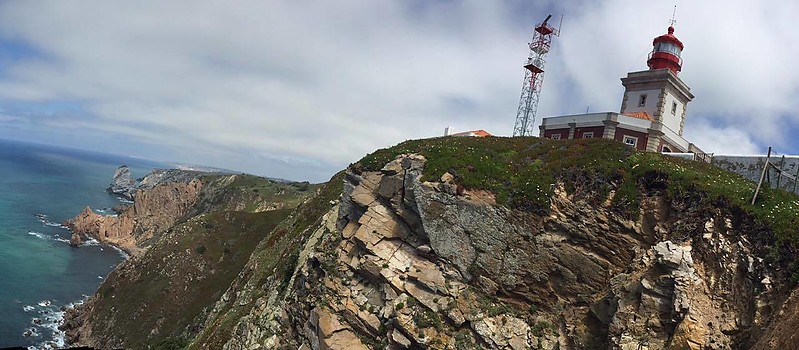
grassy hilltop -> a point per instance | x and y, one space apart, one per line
229 244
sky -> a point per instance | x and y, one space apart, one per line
299 89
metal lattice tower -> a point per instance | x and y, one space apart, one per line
533 78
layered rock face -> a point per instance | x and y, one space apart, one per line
155 209
165 197
123 184
410 264
190 235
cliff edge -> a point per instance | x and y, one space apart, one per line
417 256
190 234
505 243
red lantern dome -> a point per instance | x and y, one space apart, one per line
666 52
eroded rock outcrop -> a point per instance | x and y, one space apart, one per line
123 183
406 264
190 234
154 210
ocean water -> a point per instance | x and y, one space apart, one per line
41 187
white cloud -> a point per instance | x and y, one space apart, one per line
722 140
738 59
9 118
318 84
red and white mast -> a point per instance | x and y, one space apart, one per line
534 78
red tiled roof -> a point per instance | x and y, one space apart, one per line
640 115
477 133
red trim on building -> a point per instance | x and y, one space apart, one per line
564 133
640 115
597 130
642 137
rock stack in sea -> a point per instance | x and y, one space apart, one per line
123 184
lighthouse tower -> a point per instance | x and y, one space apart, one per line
658 93
652 116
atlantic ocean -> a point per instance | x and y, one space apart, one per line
41 187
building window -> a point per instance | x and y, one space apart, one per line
674 108
629 140
555 136
588 135
666 149
642 100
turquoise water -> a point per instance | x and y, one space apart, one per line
40 187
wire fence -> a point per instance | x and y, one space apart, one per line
776 174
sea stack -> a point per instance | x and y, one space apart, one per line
123 184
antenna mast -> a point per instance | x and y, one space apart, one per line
673 16
534 78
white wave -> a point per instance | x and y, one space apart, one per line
121 252
59 337
44 219
56 238
125 200
90 242
54 224
44 303
51 317
60 239
28 308
38 235
30 333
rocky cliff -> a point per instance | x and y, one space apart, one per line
166 197
156 208
122 184
458 243
407 263
191 233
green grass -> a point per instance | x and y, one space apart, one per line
249 193
522 172
275 257
187 267
519 171
174 288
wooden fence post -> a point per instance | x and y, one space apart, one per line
779 171
796 179
762 175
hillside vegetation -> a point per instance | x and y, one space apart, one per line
522 172
411 252
161 297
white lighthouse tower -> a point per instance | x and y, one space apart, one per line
652 115
659 92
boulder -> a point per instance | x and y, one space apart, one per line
122 184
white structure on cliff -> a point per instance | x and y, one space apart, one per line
652 116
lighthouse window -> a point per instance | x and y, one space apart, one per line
642 100
629 140
668 47
674 108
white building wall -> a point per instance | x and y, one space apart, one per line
672 121
633 97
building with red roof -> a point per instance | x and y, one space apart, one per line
473 133
652 116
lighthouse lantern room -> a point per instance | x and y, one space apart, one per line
666 52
